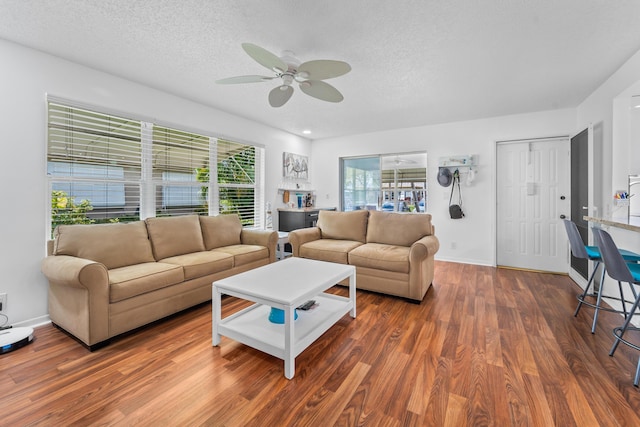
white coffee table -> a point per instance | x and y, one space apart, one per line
286 285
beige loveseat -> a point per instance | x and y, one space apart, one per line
111 278
392 252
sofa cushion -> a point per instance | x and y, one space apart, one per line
199 264
114 245
328 250
133 280
381 256
401 229
174 235
221 230
245 254
343 225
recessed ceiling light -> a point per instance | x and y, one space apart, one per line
306 132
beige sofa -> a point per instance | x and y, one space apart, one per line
108 279
392 252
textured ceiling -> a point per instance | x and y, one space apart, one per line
414 62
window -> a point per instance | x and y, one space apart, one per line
104 168
361 183
94 166
237 168
102 195
181 195
394 183
404 182
180 171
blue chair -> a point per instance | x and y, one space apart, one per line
622 271
592 253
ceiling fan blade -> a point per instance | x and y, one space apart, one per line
278 97
244 79
265 58
321 90
323 69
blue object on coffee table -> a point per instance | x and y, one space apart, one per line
277 315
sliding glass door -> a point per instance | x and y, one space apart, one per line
360 183
391 182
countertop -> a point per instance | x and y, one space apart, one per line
305 209
631 223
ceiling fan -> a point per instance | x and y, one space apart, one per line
309 75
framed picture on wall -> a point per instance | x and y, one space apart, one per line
295 166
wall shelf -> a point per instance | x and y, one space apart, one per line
462 161
295 190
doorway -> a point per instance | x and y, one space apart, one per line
389 182
533 196
580 193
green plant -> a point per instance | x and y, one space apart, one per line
202 175
64 210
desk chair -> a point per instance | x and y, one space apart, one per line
592 253
618 269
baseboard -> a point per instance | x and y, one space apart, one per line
463 261
33 323
576 277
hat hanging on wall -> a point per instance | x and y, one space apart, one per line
444 176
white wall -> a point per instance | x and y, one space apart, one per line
26 76
598 108
608 107
474 236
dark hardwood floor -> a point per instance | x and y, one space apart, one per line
486 347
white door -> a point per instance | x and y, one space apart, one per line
533 195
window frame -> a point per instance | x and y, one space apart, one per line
147 185
388 192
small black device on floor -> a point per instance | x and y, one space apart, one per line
14 338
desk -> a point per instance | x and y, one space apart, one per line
631 223
293 219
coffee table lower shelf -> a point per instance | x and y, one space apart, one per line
252 327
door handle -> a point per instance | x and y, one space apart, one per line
563 216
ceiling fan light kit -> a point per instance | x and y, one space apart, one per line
309 75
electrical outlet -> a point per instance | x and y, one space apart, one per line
3 302
454 245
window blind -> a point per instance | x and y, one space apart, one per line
93 165
180 172
105 168
237 178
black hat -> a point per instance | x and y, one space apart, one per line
444 177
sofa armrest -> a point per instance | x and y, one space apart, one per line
266 238
78 296
421 266
301 236
75 272
424 248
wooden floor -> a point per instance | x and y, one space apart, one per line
486 347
